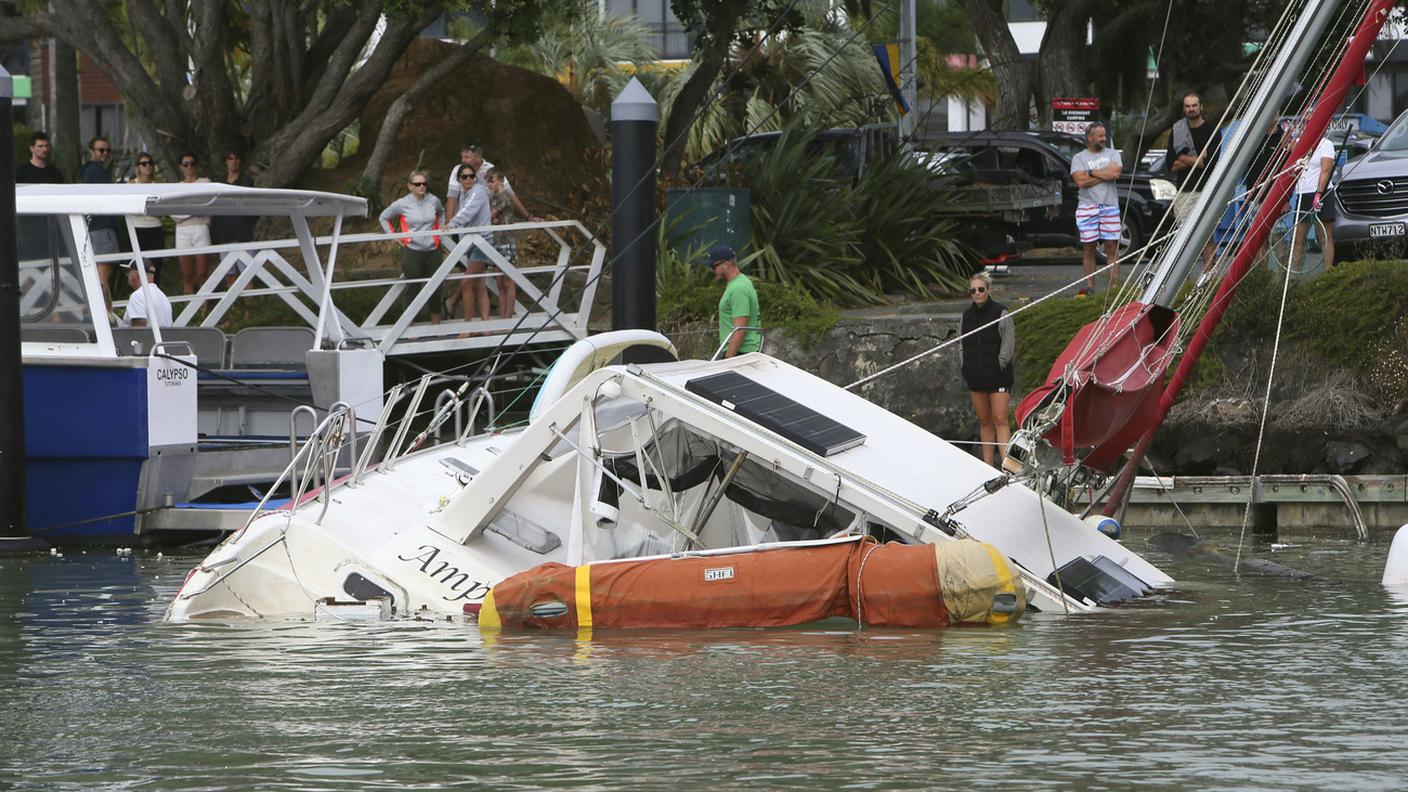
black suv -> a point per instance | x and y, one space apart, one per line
1046 156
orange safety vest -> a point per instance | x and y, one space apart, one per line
405 228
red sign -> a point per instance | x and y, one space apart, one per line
1073 114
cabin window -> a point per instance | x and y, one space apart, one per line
52 291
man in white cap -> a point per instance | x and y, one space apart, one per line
147 305
739 305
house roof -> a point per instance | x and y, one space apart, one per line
180 199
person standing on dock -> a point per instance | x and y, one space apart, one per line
233 229
32 233
102 229
1192 146
987 365
739 305
418 211
1098 205
192 232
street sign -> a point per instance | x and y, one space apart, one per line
1073 114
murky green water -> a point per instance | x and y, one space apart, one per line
1226 684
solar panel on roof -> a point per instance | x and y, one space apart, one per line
771 410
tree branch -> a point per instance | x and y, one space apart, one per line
401 107
29 26
165 47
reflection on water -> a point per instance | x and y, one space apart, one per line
1256 683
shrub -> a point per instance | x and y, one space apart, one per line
844 239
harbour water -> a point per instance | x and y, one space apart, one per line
1225 683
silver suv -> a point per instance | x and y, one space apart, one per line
1371 198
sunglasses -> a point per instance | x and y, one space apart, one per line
144 164
417 184
978 290
188 163
103 150
467 177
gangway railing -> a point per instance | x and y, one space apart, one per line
555 276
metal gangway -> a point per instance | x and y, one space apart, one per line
556 274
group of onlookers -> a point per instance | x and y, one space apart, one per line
107 232
478 196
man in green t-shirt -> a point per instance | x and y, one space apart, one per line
739 305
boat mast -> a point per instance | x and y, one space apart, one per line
1318 120
1187 242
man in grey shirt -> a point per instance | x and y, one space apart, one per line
1098 206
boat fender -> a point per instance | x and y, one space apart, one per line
1396 568
1105 525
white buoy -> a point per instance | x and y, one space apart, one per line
1396 567
1105 525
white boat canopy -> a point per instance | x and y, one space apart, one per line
181 199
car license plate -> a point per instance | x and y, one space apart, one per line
1380 230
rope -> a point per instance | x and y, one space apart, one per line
860 571
1265 411
1051 550
951 341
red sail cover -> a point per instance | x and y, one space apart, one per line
1112 372
880 585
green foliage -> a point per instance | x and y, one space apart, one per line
22 134
805 228
1345 316
946 25
588 53
904 248
848 244
782 80
1341 313
686 295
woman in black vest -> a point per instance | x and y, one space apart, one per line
987 364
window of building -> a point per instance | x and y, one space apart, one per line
1022 11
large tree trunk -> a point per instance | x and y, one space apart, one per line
64 135
1014 75
1062 58
686 106
402 106
721 25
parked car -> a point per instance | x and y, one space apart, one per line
1046 156
985 214
1371 198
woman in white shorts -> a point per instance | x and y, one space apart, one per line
192 231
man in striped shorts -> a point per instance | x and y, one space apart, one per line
1098 206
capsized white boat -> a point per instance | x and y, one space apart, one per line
629 461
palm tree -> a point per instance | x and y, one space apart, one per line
592 55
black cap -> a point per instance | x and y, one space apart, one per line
716 254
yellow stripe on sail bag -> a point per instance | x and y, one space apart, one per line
1004 581
584 596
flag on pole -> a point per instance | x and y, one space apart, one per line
888 55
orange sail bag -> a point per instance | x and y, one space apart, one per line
881 585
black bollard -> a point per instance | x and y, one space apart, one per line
14 534
634 118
